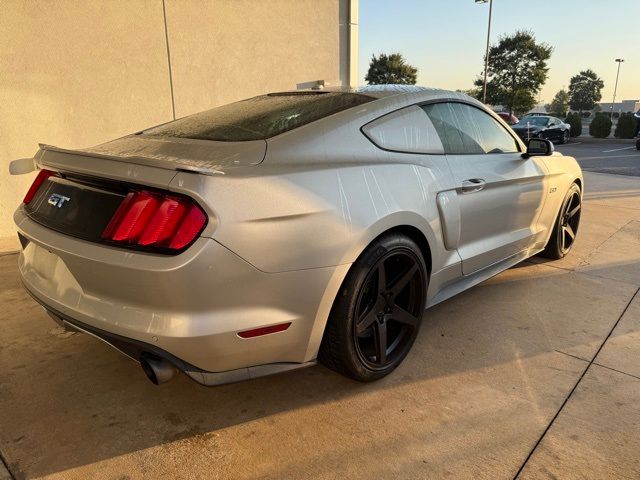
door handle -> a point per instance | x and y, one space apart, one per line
472 185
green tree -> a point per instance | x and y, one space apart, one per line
585 91
518 66
390 69
559 105
600 127
626 127
575 120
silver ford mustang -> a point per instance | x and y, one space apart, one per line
265 235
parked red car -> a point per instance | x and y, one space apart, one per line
508 117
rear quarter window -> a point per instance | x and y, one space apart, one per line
260 117
407 130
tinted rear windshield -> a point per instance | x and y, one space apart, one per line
537 121
260 117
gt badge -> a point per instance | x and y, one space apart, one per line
57 200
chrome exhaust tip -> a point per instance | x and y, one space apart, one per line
156 369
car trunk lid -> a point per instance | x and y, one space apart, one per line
176 154
90 184
76 206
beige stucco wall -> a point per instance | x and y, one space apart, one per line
75 74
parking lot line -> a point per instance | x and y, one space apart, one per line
609 156
618 149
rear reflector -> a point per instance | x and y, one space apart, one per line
156 220
37 183
256 332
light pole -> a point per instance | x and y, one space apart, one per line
486 55
615 90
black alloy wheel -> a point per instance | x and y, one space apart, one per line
388 310
566 226
570 221
377 315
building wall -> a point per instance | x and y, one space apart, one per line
75 74
622 106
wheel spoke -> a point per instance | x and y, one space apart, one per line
574 211
563 236
381 342
382 278
569 230
567 208
365 321
399 284
402 316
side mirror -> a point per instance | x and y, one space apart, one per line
538 147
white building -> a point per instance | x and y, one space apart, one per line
621 107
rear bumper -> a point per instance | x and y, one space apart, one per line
135 350
187 308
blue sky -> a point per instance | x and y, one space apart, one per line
446 39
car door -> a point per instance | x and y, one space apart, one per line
499 193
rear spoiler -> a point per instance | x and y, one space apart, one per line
23 166
205 157
139 160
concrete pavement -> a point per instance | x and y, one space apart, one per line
534 373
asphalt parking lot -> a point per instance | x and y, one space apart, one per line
532 374
618 157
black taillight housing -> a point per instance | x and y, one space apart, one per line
145 219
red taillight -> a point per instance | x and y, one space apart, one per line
189 228
157 220
37 183
165 222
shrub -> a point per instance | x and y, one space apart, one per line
615 115
575 121
600 126
626 127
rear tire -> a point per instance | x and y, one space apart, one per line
565 228
377 314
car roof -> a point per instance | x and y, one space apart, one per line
383 91
391 97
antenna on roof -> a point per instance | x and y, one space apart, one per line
314 85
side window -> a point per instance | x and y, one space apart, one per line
406 130
464 129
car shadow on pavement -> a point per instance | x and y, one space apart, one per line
69 400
